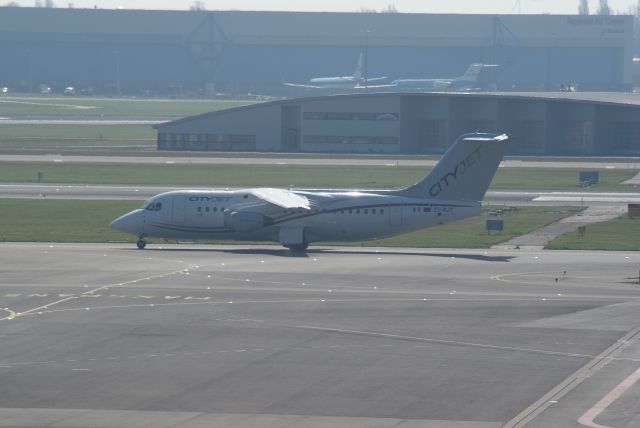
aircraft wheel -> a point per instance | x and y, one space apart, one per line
141 244
300 248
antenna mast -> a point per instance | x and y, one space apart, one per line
517 6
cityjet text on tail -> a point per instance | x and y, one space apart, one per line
452 190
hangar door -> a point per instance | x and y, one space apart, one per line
291 120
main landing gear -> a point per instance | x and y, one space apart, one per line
298 248
141 244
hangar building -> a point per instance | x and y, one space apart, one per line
539 124
134 51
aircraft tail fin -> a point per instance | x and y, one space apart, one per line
472 73
357 73
464 171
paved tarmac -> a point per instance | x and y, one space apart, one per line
198 336
82 191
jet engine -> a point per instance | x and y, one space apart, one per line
244 221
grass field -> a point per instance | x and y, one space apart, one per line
70 139
619 234
108 108
287 175
54 220
35 138
29 220
470 233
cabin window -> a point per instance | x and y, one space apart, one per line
381 211
207 209
199 209
426 210
373 211
358 211
366 211
215 209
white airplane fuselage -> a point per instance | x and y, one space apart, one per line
334 216
452 190
336 82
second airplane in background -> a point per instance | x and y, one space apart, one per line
339 82
468 81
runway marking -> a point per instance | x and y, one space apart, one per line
552 274
229 351
71 106
607 400
46 310
441 341
11 315
90 293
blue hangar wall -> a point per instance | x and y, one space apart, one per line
238 51
538 123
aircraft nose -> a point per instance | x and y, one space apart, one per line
132 222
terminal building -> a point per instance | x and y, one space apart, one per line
234 52
575 124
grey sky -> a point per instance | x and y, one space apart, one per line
419 6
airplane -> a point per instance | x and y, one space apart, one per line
452 190
467 81
339 82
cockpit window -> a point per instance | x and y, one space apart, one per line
154 206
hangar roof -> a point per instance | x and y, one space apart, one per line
619 99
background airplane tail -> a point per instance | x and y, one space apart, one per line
357 73
472 73
464 171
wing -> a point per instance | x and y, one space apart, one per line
301 85
281 197
376 79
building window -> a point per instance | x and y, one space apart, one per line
335 139
335 115
387 116
338 115
314 115
315 139
363 116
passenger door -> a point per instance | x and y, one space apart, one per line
179 208
395 215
